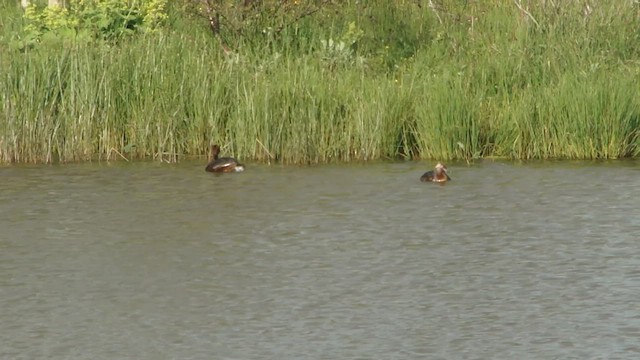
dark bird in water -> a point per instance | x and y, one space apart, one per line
222 164
439 175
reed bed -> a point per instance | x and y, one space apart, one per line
477 81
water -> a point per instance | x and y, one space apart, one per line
157 261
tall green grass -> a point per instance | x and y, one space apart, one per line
481 81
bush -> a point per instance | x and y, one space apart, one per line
109 20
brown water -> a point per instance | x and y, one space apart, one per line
156 261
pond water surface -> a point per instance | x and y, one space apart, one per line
157 261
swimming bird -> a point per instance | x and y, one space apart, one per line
439 175
222 164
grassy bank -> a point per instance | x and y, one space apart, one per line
462 82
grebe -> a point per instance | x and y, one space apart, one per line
438 175
224 164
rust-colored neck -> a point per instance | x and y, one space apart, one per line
215 150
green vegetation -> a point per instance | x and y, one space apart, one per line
319 82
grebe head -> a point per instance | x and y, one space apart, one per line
215 150
239 168
440 168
